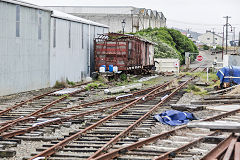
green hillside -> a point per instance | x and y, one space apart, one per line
170 42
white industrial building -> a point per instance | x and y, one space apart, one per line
211 39
39 46
135 18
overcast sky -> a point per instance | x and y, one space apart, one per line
197 15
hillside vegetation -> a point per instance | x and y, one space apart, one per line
170 42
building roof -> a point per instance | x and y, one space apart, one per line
209 32
70 17
95 9
26 4
55 13
106 10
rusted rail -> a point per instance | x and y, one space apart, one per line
24 102
65 119
167 155
30 116
59 120
63 143
117 152
32 99
136 123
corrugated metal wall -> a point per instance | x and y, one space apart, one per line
67 61
72 62
24 60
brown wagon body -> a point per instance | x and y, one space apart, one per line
124 51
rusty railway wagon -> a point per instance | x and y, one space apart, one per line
129 53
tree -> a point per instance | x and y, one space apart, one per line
170 42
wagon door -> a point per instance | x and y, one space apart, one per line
146 55
151 55
130 51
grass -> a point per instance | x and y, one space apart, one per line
151 81
196 90
212 81
202 75
93 85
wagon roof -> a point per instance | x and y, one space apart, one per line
123 36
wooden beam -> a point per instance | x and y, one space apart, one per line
230 149
237 151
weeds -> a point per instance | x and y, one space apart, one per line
65 95
93 85
193 88
60 84
196 90
70 82
202 75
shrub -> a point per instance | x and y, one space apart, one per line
219 48
170 42
123 77
206 47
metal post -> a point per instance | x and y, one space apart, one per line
226 30
214 42
89 52
239 40
234 39
223 43
207 74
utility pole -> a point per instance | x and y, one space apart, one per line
223 43
239 40
234 38
227 24
214 47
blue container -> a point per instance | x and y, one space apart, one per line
104 67
110 68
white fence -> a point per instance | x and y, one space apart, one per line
167 65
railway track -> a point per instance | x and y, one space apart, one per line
103 127
182 143
46 113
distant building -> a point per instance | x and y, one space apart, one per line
135 18
211 39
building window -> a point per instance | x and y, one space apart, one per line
208 38
82 36
17 21
69 35
54 33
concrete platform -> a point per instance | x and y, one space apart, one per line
225 108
